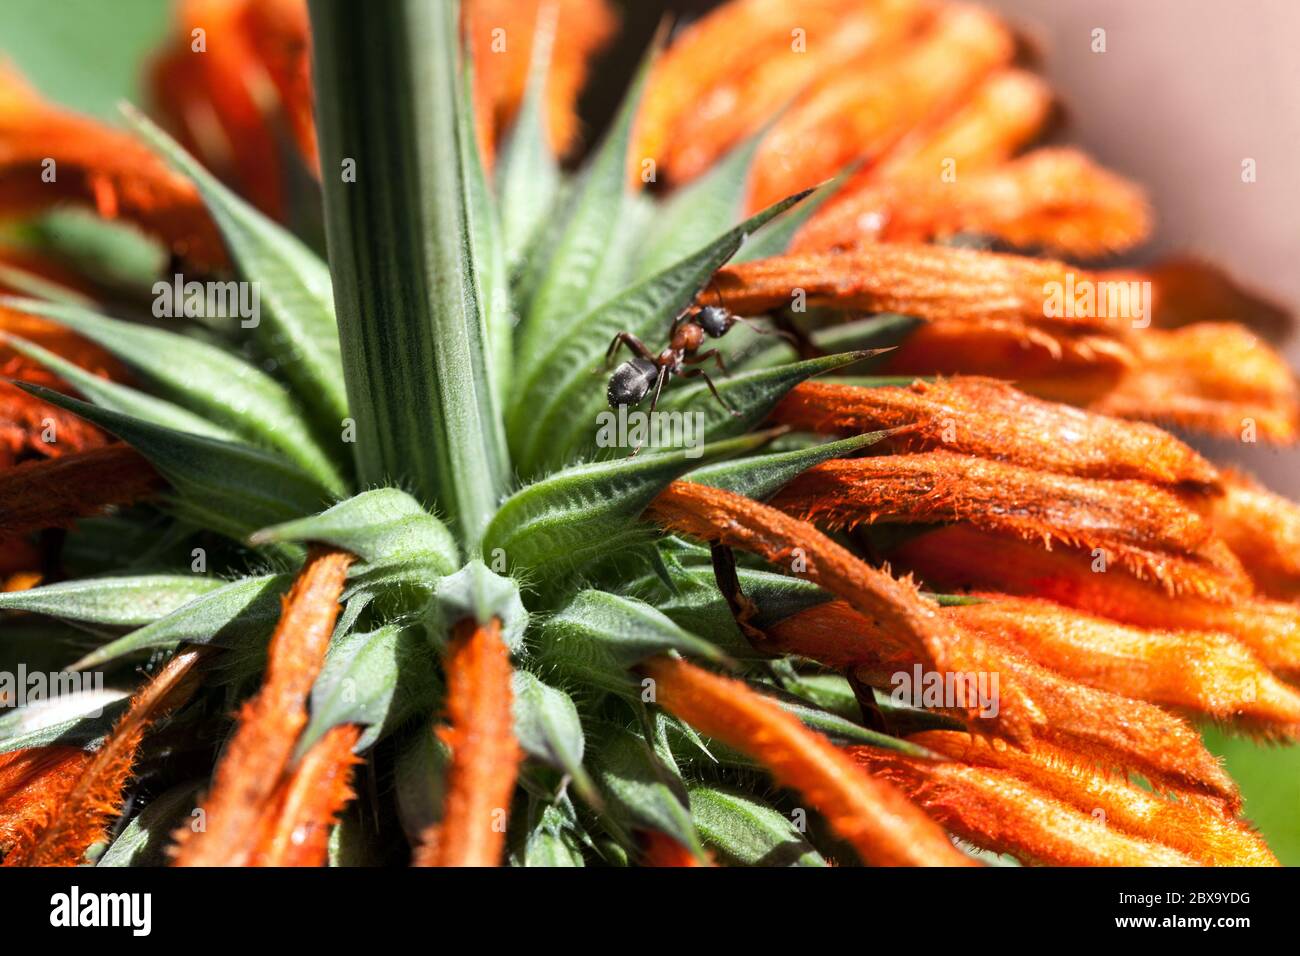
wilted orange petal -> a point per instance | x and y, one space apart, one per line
485 756
32 784
858 115
269 724
998 811
882 826
80 817
1145 528
993 420
54 493
960 557
501 37
1200 831
1055 198
309 801
96 165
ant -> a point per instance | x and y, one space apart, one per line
634 379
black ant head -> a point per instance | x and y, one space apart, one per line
714 320
631 382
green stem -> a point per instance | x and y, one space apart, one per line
401 248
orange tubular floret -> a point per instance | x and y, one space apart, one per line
1209 673
960 557
308 803
936 282
998 811
1200 831
269 724
1056 198
280 35
993 420
81 816
485 755
500 33
661 850
884 828
860 115
1147 529
1263 530
33 783
54 493
97 166
25 421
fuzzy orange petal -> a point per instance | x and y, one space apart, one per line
54 493
884 828
993 420
249 773
32 785
485 755
1263 530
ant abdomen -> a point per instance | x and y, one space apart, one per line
631 382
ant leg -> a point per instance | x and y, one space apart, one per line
700 373
714 354
654 402
632 342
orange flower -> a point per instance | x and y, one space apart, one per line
661 850
98 166
859 116
54 493
884 828
1202 832
1147 529
79 817
1263 530
999 811
959 557
485 756
249 774
993 420
1055 198
33 783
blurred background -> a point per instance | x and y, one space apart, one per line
1185 91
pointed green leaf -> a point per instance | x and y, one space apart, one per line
548 728
641 791
376 679
246 608
297 321
553 838
590 511
579 251
556 407
403 257
112 602
761 476
775 239
204 379
882 332
230 488
598 637
478 594
743 831
121 398
146 840
78 720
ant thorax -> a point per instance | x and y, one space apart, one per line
687 338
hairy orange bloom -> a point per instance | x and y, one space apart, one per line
996 810
1201 831
1202 671
1212 376
661 850
485 756
1187 289
500 34
1034 703
1056 198
218 92
54 493
716 515
33 783
98 166
80 816
882 826
993 420
729 72
269 724
1263 530
1147 529
859 116
296 829
960 557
